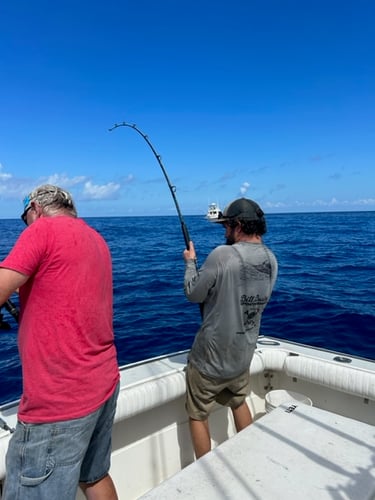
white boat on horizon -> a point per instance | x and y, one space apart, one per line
213 211
313 435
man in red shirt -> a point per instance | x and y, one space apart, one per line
62 268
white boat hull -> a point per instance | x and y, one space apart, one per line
151 440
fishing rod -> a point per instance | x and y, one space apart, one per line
171 187
11 308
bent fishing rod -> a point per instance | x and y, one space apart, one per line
171 187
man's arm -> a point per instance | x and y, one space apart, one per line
9 282
197 284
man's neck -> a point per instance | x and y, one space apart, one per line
249 238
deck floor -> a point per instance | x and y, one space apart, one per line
296 451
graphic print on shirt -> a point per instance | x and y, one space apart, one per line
253 305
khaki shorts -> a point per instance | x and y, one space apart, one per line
203 392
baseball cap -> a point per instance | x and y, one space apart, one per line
26 207
26 202
242 208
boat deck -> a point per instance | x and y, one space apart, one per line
295 451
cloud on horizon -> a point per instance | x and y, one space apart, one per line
81 186
65 181
366 203
100 192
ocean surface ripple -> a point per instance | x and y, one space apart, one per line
324 294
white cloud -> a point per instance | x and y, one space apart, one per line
64 181
244 188
128 179
16 188
3 175
366 202
324 204
276 204
103 192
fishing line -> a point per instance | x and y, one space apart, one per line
171 187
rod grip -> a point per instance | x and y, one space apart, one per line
12 309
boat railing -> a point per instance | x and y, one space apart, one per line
167 381
145 386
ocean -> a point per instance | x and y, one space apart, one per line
324 295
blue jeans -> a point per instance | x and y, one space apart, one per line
47 461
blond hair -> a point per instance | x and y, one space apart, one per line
53 200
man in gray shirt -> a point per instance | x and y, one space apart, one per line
233 285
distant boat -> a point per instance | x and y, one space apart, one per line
213 211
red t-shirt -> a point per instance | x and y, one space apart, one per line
66 340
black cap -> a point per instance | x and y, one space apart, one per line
243 209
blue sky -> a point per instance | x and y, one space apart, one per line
272 100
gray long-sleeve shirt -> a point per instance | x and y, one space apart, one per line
234 285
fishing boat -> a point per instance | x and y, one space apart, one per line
213 211
313 434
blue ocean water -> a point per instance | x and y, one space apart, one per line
324 294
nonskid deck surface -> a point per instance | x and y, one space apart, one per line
296 451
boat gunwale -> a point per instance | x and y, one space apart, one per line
357 362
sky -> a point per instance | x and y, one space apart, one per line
271 100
